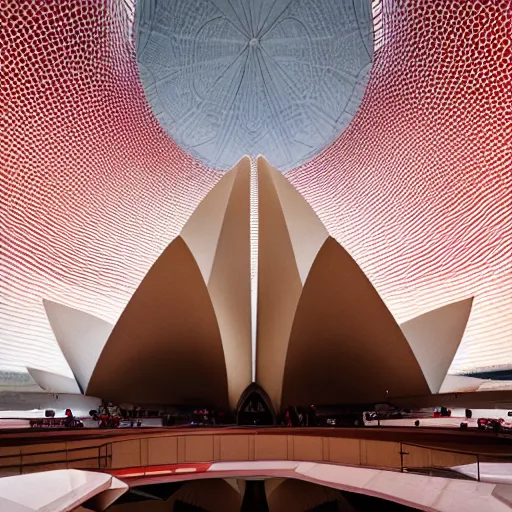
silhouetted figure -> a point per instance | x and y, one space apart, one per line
294 417
312 416
68 422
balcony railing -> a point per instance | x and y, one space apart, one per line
414 458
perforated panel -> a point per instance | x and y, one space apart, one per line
92 189
419 188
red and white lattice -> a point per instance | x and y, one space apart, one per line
417 188
92 189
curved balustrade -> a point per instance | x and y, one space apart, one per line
170 451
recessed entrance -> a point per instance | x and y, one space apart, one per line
255 407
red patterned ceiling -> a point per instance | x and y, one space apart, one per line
417 188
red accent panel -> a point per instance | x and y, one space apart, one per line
151 471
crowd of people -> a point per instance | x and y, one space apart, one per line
110 416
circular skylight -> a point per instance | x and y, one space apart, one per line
227 78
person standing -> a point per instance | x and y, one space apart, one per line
288 418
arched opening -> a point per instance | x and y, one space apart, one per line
255 407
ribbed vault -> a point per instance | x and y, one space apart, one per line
226 78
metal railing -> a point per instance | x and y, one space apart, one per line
466 459
103 457
414 458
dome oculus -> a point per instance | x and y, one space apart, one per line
227 78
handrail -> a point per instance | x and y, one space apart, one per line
458 452
64 450
102 458
477 456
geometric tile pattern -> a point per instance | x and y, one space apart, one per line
92 189
228 78
417 188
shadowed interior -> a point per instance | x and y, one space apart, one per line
166 347
345 346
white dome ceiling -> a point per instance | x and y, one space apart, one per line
281 78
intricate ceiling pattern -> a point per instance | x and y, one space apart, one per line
92 189
419 188
230 78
